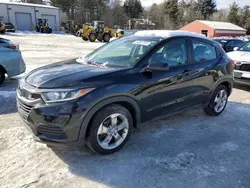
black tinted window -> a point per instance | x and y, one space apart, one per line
203 51
173 53
238 43
230 43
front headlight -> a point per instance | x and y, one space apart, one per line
60 96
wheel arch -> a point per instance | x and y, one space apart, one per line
125 101
3 69
228 86
227 81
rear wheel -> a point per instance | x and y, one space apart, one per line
110 129
106 37
92 37
218 101
2 76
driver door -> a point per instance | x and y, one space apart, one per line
166 91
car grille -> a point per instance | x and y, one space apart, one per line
23 109
243 67
51 131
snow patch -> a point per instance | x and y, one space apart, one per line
228 146
7 94
180 162
18 33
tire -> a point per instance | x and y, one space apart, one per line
85 39
106 119
92 37
212 109
2 76
106 38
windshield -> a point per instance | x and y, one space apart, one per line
8 26
246 47
121 53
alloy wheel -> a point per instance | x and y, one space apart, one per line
113 131
220 101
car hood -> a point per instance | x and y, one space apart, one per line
239 55
66 73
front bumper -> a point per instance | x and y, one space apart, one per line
242 77
54 124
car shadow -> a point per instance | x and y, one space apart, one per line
242 87
185 150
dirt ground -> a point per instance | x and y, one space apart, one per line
189 150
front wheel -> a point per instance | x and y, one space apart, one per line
218 101
106 38
110 129
92 37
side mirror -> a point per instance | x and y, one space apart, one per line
157 67
236 48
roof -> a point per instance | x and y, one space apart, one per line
168 33
28 4
222 25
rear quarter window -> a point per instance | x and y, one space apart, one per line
203 51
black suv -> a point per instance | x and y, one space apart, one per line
100 98
228 44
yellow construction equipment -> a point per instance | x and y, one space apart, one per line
2 28
98 31
71 27
120 33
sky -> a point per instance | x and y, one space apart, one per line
220 3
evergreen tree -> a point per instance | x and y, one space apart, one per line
233 15
206 8
245 17
173 13
133 8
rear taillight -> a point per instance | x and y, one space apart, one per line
12 47
233 63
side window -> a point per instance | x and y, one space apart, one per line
238 43
203 52
173 53
230 44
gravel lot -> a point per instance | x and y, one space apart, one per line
186 150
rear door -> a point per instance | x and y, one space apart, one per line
204 60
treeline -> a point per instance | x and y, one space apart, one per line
171 14
115 13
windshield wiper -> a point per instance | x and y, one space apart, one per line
91 62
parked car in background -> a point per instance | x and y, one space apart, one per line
228 44
2 28
11 61
9 27
241 57
100 98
